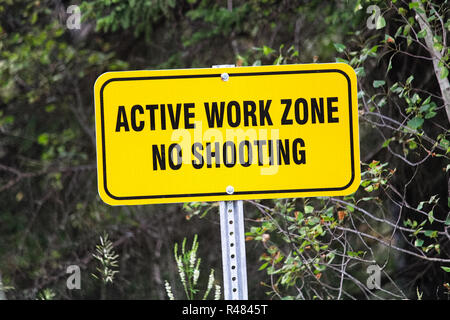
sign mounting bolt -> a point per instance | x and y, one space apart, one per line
230 190
224 76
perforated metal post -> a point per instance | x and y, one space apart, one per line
234 263
233 250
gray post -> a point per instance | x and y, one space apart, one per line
233 250
232 232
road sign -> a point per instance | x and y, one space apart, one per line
227 134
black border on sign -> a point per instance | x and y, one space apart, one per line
224 193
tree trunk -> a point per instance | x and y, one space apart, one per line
436 55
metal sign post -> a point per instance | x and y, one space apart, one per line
234 262
233 250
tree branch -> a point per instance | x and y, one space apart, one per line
436 55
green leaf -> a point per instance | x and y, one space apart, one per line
431 216
388 38
418 242
43 139
50 108
430 233
444 72
430 114
412 145
341 60
446 269
313 221
358 6
381 23
360 71
350 208
413 5
406 30
263 266
420 206
399 31
425 107
410 79
373 51
34 18
267 50
378 83
438 46
382 102
309 209
365 183
354 254
6 120
415 123
339 47
386 143
278 60
422 34
408 40
396 88
360 94
444 143
389 65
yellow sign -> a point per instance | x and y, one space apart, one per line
227 134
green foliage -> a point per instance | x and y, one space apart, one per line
107 258
46 294
314 248
197 209
189 272
113 16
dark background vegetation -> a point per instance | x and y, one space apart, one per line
51 215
